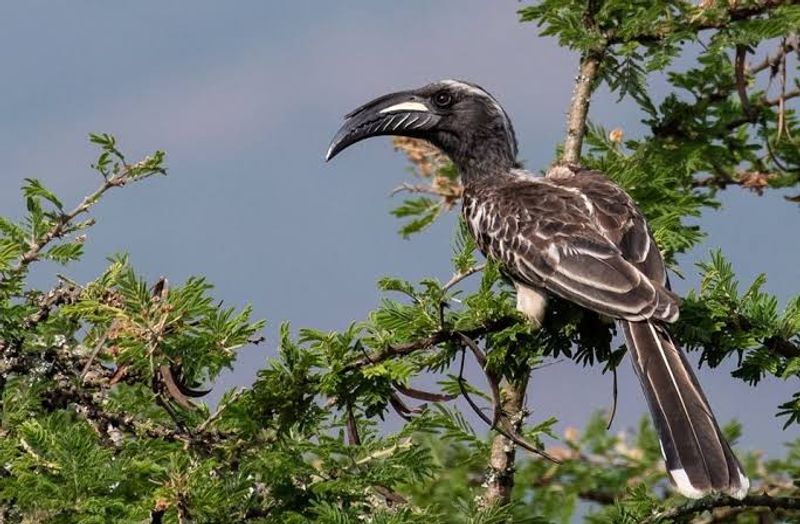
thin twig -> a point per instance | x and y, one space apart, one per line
741 81
458 277
58 229
353 438
423 395
496 426
478 411
96 351
425 189
392 497
89 407
179 424
763 103
58 296
771 61
782 103
210 420
614 401
494 386
436 338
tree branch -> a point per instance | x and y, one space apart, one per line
464 274
503 421
707 504
748 179
438 337
579 106
698 23
500 477
772 61
782 347
590 64
761 104
118 177
64 220
72 385
87 400
16 361
214 416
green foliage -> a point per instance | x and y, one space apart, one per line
723 322
424 211
100 421
719 126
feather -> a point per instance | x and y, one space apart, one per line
699 459
546 236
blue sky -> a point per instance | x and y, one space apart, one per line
244 98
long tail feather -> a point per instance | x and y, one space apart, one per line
699 460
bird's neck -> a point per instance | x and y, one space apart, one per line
483 161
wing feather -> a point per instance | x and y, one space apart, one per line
618 218
547 236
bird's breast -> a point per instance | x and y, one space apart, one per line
477 218
490 229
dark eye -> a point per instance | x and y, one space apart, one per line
443 99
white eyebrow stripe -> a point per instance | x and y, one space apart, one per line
406 106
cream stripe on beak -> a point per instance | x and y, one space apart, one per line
406 106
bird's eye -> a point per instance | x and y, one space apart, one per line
443 99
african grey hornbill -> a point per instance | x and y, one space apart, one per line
577 235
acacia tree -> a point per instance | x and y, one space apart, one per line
100 421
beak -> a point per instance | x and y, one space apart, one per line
402 113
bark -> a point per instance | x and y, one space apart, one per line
500 475
579 106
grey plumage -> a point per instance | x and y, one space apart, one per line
565 234
698 458
577 235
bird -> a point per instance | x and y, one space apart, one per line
575 234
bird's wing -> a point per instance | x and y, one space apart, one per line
545 236
617 217
699 460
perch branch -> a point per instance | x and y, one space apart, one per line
438 337
707 504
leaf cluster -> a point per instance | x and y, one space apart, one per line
101 419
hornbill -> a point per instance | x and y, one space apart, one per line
577 235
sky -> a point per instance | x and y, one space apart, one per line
245 97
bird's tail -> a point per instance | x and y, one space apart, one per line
699 459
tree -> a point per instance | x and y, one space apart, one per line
98 379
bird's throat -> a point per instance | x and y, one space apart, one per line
482 163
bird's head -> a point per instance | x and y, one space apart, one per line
460 118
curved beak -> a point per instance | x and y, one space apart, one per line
402 113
